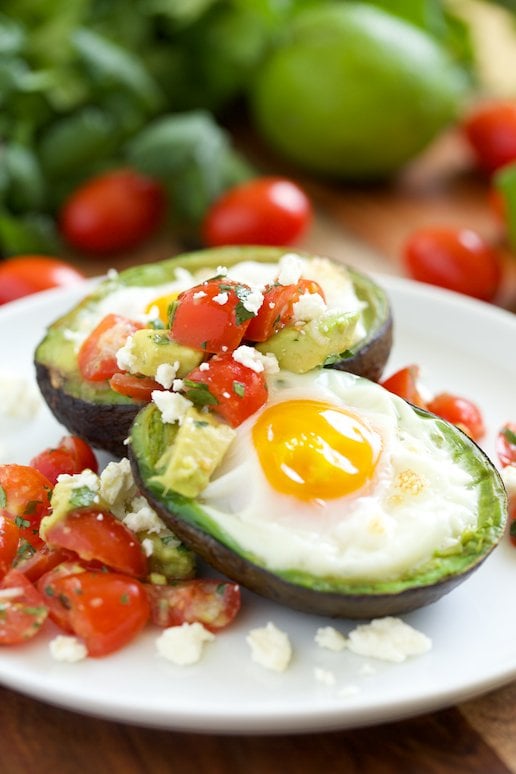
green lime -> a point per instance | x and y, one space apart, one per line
355 92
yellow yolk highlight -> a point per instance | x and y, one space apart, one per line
315 450
162 303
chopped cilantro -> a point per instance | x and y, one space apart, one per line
157 324
239 389
161 339
166 539
31 506
124 599
21 522
82 497
199 393
200 423
3 497
509 436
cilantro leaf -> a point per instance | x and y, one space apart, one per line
82 497
199 393
3 497
509 435
239 389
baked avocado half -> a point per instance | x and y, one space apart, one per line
358 340
336 498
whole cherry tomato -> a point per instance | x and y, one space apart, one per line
459 411
114 211
72 455
491 132
23 609
458 259
26 274
263 211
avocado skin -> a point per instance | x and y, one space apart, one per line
369 360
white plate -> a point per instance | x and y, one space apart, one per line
463 346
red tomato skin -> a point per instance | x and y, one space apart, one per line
82 453
505 446
204 324
491 132
58 610
27 494
97 535
263 211
221 378
9 537
42 561
404 383
114 211
458 259
212 603
24 275
277 309
135 387
106 610
459 411
72 455
97 356
22 616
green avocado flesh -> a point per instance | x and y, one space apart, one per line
415 587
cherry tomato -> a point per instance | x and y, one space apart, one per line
114 211
212 316
98 535
25 495
27 274
229 388
97 355
106 610
9 537
42 561
405 384
263 211
72 455
58 611
506 444
459 411
458 259
134 386
277 309
22 609
491 132
210 602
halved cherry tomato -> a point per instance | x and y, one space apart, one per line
506 444
210 602
405 384
25 495
263 211
212 316
9 537
458 259
42 561
491 131
459 411
106 610
277 309
114 211
22 609
98 535
97 355
134 386
58 609
27 274
229 388
72 455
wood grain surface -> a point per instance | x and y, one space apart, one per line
365 227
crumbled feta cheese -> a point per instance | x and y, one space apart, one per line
140 517
253 301
253 359
290 268
509 479
166 373
199 294
204 367
330 638
309 307
270 647
183 645
389 639
172 405
125 359
221 298
271 304
87 479
19 398
112 274
177 385
67 648
226 394
324 676
117 486
148 546
221 271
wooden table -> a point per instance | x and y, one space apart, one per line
365 227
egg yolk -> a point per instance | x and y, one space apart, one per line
315 450
162 303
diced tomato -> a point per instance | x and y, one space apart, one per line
277 309
132 386
22 609
229 388
9 537
25 495
404 383
72 455
210 602
97 355
212 316
98 535
42 561
106 610
506 444
58 608
459 411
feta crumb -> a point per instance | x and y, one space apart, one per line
11 593
330 638
271 304
221 298
183 645
117 486
226 394
140 517
172 405
87 479
125 359
204 367
177 385
290 268
389 639
166 373
509 479
19 398
324 676
309 307
199 294
270 647
253 359
148 546
253 301
221 271
112 274
67 648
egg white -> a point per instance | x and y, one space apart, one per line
419 500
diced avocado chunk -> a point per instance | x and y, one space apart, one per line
198 448
70 493
301 348
152 348
169 557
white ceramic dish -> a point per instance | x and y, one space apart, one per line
462 346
